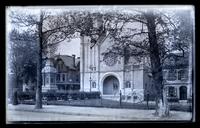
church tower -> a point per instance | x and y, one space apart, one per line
90 57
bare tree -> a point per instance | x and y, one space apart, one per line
156 36
49 31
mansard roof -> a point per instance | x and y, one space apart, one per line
68 61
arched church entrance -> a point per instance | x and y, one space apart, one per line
183 93
110 85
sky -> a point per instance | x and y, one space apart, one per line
73 47
69 48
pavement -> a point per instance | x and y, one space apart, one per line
98 113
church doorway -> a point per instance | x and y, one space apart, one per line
183 93
110 85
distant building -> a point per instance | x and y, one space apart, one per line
61 73
177 75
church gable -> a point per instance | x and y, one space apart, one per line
109 61
106 43
112 61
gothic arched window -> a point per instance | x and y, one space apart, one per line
110 59
128 84
93 84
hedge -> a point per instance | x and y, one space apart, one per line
169 99
59 95
26 95
172 99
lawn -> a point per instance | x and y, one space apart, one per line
187 107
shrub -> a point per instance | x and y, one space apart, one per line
92 95
172 99
49 96
150 97
61 95
26 95
82 95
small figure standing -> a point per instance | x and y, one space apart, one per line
147 99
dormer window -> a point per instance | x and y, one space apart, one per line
182 75
172 75
60 66
172 61
165 74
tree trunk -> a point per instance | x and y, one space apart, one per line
14 92
38 104
161 102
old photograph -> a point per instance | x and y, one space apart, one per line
100 63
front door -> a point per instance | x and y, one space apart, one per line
183 93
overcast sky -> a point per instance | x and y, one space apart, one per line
73 47
69 48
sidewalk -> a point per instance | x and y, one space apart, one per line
125 114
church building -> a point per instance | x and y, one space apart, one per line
109 73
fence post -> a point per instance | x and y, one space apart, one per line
147 96
84 95
101 98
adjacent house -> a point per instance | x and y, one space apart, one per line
177 74
61 73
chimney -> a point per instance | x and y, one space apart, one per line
74 57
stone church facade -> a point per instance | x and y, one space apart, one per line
109 73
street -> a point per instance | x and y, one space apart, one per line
73 113
36 116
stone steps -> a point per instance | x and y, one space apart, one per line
111 97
